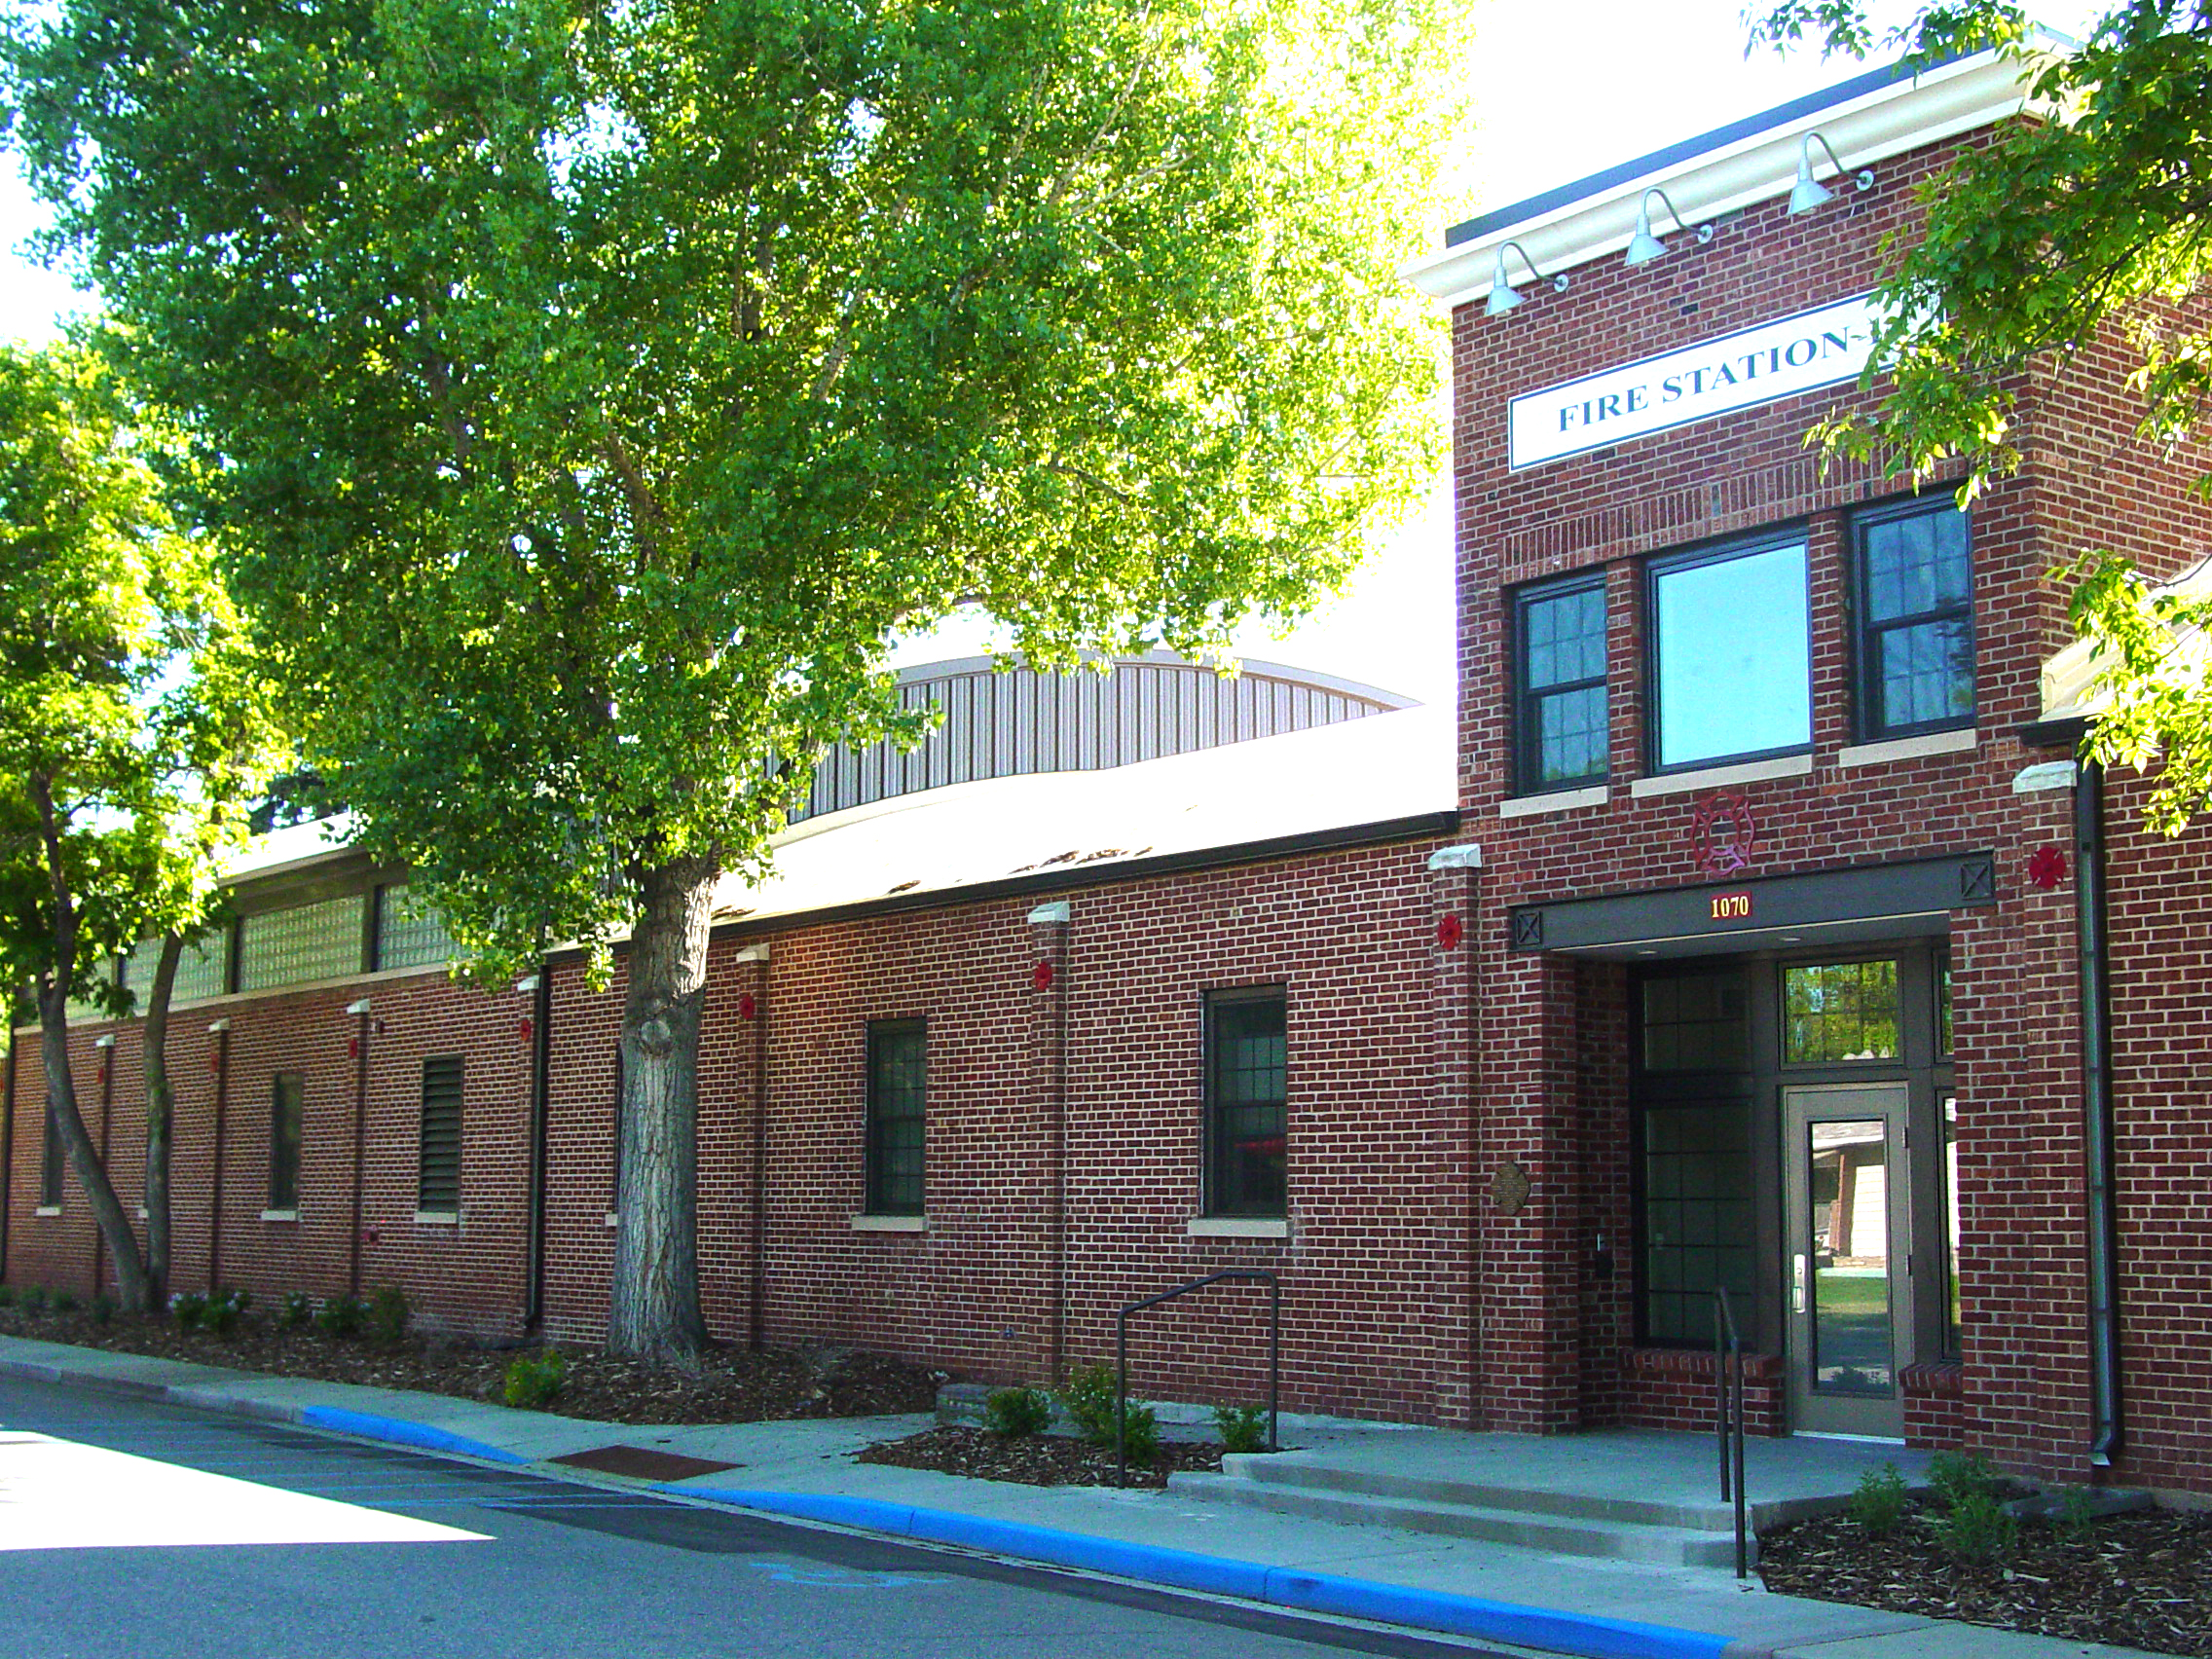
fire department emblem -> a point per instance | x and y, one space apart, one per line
1724 837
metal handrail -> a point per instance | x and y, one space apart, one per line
1122 1357
1728 1414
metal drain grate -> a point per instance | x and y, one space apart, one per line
641 1463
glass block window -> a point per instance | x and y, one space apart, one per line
287 1113
896 1083
139 974
1845 1012
307 942
1731 671
1560 677
1245 1062
1698 1230
438 1186
1696 1022
1916 619
411 932
204 971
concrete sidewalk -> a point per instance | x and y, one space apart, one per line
1606 1610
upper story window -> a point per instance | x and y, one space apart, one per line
1560 716
1915 592
1731 654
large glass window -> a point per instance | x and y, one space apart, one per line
1731 670
1700 1231
1245 1059
1915 619
896 1085
1846 1010
1559 684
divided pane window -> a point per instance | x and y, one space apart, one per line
1700 1231
1731 665
1559 684
287 1111
1696 1022
1245 1064
439 1186
896 1079
1916 620
1846 1011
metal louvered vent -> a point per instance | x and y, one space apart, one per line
1005 724
439 1187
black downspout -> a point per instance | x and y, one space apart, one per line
8 1141
540 1114
2097 1115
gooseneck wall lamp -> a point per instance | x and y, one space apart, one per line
1805 195
1504 296
1643 247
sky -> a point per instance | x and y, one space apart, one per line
1562 89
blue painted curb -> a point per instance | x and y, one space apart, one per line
1584 1633
401 1432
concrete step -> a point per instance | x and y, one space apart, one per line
1529 1528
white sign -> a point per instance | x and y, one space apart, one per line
1798 354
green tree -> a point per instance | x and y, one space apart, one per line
590 391
2094 220
130 734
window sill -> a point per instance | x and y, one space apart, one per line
46 1209
1239 1227
279 1215
614 1218
891 1224
438 1218
1721 777
1917 748
1556 801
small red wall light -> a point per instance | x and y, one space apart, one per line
747 1006
1449 931
352 1048
523 1028
2046 867
215 1057
1041 976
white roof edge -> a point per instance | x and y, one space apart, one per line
2068 679
1941 103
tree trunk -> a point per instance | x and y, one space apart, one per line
160 1102
83 1156
653 1306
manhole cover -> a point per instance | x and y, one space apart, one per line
641 1463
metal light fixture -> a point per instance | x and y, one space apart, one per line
1504 297
1805 195
1643 247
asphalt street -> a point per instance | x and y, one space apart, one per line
140 1531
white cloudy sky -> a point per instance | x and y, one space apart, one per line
1563 88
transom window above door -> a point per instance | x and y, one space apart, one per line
1836 1012
1731 654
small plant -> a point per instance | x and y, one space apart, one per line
1013 1413
1243 1428
2076 1511
1879 1503
35 1298
296 1311
1958 1476
223 1310
65 1301
186 1308
1089 1400
1140 1434
387 1314
341 1316
532 1385
6 1296
1979 1532
103 1310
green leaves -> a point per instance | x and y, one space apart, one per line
584 397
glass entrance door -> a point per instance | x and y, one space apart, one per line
1846 1223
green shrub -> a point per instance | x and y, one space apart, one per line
341 1316
35 1298
65 1301
2075 1513
1243 1428
296 1311
1978 1531
387 1314
1089 1400
1958 1476
532 1385
104 1309
6 1296
223 1312
1879 1503
186 1308
1013 1413
1140 1434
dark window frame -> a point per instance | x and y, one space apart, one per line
1221 1195
283 1158
1865 643
437 1192
1659 566
1528 700
1846 957
52 1161
889 1192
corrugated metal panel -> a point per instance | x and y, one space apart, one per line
1010 723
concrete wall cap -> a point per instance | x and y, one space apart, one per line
1056 911
1468 856
2044 775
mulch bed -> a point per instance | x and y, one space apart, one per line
730 1384
2139 1580
1034 1459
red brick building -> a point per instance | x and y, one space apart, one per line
1751 927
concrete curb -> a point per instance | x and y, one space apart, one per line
1582 1633
399 1431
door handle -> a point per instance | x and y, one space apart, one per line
1797 1292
